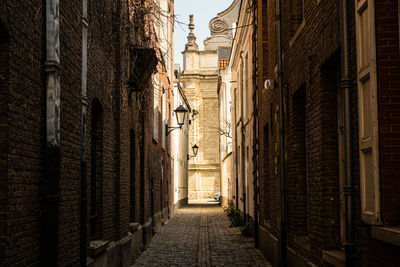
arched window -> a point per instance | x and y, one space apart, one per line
4 88
96 171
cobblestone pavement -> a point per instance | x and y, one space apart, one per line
199 235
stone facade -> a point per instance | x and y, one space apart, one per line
225 128
84 183
181 146
199 82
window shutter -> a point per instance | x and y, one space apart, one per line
368 111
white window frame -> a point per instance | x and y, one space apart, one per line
163 117
368 143
156 116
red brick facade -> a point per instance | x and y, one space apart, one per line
388 60
313 135
114 110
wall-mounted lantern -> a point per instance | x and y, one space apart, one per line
195 151
180 112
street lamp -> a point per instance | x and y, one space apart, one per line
195 151
180 112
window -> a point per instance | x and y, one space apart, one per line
266 172
228 119
132 169
299 161
368 115
142 170
333 133
163 118
96 174
156 112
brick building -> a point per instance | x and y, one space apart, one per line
84 181
339 194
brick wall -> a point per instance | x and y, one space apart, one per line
388 65
312 197
268 135
312 62
21 194
69 184
26 133
312 165
4 92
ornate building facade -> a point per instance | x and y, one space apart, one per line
200 81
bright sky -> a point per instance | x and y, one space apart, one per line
203 11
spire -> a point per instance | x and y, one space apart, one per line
191 44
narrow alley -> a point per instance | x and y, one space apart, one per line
199 133
199 235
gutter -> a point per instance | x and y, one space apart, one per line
348 186
236 154
282 173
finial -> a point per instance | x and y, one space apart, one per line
191 44
191 24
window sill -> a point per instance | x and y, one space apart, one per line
133 227
387 234
303 242
334 257
97 247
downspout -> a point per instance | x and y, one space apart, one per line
236 155
346 86
242 140
220 128
255 123
282 174
84 200
52 164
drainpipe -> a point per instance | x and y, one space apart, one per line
346 86
243 141
282 174
52 165
84 200
255 124
236 154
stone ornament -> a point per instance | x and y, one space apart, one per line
217 26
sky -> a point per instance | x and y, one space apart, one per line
203 11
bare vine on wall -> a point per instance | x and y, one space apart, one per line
225 129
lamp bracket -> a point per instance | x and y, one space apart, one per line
170 129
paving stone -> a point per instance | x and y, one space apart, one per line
199 235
